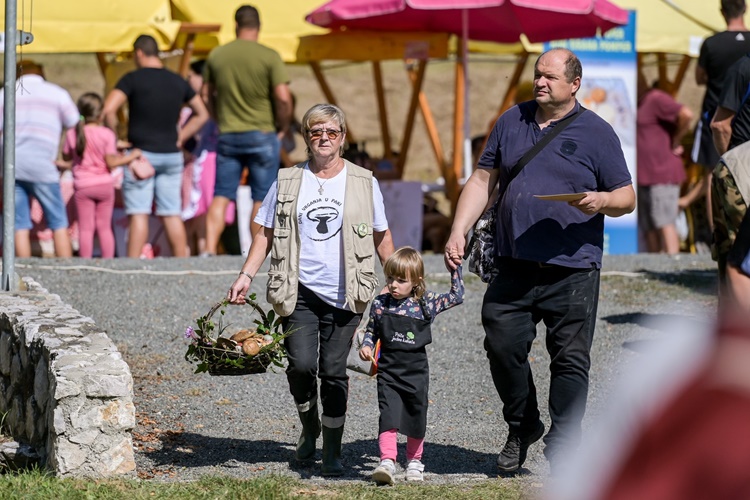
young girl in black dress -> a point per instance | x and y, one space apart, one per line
401 320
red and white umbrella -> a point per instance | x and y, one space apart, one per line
502 21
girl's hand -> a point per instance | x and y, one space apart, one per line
63 165
365 353
123 144
133 154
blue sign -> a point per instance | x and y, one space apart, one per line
608 87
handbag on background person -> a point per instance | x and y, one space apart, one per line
480 251
141 168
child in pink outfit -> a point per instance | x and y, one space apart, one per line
91 150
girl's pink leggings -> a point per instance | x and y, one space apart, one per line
388 440
95 205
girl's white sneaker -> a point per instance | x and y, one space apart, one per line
415 471
384 472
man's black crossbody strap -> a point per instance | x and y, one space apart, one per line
525 159
531 153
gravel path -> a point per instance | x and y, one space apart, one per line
195 425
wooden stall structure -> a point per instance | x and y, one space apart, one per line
667 31
283 27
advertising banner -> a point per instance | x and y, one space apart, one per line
609 88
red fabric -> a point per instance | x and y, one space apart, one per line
414 448
699 446
657 116
489 20
698 449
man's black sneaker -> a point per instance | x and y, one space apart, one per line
514 452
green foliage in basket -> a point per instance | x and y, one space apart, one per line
221 356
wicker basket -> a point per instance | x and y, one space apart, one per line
219 355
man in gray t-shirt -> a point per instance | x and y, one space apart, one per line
43 111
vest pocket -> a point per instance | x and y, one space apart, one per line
278 287
365 286
364 248
283 211
280 243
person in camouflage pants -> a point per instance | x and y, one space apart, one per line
729 207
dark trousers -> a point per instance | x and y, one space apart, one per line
318 348
741 247
523 294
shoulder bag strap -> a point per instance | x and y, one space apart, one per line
526 158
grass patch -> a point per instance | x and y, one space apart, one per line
3 428
36 484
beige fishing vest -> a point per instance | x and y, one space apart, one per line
358 242
737 160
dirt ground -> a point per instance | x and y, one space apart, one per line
353 86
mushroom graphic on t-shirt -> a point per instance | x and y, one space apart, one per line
322 215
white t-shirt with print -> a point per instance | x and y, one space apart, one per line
320 218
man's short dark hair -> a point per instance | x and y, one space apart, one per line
247 17
147 45
733 9
29 67
573 68
197 66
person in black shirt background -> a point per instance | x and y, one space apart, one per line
155 97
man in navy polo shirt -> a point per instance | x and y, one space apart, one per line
548 253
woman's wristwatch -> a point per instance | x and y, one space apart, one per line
246 274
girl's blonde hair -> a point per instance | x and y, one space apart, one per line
407 263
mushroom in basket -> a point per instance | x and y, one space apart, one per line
251 341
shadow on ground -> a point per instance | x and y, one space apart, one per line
698 280
646 320
656 322
195 450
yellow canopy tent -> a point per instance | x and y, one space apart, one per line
94 25
674 27
283 27
197 26
704 13
101 27
660 29
282 22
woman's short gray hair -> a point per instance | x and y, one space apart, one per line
321 113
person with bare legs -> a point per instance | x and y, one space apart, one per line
43 110
246 87
155 97
661 124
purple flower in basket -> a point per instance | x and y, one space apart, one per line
190 333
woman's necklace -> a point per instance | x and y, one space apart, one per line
320 186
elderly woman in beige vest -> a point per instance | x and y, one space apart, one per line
323 221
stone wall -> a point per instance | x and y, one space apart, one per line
65 390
